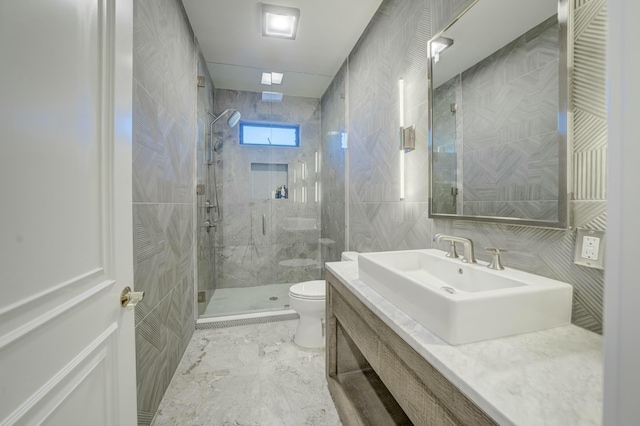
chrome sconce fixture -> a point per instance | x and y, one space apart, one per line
406 136
439 45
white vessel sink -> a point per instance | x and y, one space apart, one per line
464 303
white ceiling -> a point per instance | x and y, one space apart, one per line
230 36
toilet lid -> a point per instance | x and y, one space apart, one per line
308 290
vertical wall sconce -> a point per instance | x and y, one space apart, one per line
401 107
317 178
406 136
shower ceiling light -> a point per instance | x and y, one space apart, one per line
269 78
280 21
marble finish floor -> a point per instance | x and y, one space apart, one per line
232 301
248 375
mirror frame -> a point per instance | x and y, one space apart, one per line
564 130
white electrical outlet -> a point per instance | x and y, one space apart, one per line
589 248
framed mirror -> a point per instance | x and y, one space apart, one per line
498 96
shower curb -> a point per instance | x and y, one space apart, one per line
209 324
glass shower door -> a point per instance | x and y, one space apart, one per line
268 238
205 216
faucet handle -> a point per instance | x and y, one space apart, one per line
495 263
495 250
452 251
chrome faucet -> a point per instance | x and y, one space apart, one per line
467 256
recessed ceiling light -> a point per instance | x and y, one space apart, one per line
280 21
271 97
276 77
270 78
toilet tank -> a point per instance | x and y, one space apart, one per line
349 255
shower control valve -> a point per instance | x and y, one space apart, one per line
208 225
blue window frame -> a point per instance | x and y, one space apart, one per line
269 134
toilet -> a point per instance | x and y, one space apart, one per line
349 256
308 299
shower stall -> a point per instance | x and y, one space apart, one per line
258 203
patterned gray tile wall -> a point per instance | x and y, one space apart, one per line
589 100
443 11
393 46
333 126
164 98
510 106
246 256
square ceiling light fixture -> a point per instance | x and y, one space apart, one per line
270 78
280 21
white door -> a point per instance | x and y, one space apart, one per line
622 289
66 345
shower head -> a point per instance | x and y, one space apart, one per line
232 121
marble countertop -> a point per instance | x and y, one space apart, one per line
549 377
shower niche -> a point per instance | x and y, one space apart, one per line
269 181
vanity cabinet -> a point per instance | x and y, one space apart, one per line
376 378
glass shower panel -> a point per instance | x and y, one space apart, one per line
205 236
333 160
269 195
297 218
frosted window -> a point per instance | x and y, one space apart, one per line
269 134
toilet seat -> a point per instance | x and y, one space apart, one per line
308 290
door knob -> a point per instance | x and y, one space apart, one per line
129 299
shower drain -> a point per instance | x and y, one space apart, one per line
273 298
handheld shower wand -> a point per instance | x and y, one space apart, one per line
232 121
